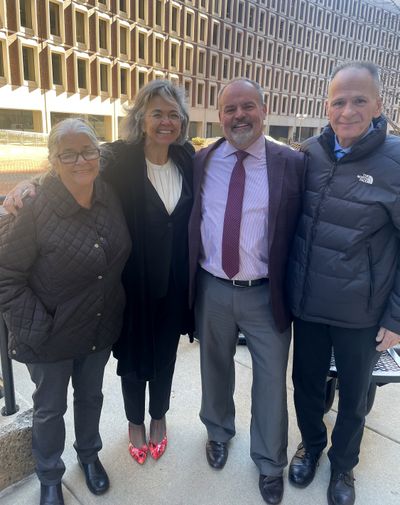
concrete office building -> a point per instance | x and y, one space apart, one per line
91 57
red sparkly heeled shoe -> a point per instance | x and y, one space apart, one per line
157 450
138 454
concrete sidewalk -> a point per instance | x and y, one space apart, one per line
183 477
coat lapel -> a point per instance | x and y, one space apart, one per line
276 166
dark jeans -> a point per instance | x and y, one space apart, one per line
355 357
134 393
50 405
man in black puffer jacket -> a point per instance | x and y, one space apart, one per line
344 276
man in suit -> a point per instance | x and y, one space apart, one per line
247 197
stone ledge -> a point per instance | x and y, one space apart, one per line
16 461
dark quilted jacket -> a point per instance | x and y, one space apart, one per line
60 270
344 267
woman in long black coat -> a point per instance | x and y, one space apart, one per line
151 171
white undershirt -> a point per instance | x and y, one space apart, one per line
167 181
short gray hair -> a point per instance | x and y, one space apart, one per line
360 65
70 125
255 85
132 126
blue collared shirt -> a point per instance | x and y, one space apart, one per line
340 151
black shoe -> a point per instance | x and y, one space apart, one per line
217 454
271 488
302 467
341 488
51 495
96 477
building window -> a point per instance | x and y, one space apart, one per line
240 12
227 38
239 42
123 81
104 87
203 30
201 62
142 40
2 69
26 15
80 27
200 94
225 68
57 71
141 79
54 14
141 12
188 59
252 17
237 69
123 40
212 101
174 55
82 73
158 50
159 12
103 34
122 6
249 45
261 23
214 65
215 34
189 24
28 62
174 18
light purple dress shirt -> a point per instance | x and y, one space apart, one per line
254 225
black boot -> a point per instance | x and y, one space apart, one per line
51 495
96 477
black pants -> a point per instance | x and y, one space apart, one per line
134 393
50 405
355 357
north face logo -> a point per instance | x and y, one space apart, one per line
368 179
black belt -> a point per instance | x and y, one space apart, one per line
244 284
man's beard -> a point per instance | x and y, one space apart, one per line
242 138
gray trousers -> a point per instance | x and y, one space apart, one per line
50 405
221 311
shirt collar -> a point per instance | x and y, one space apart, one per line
256 149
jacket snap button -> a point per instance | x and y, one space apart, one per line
94 348
96 246
99 277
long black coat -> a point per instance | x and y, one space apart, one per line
159 254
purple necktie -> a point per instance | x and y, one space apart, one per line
233 216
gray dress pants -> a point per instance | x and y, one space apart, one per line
50 405
221 311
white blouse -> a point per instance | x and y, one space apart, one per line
167 181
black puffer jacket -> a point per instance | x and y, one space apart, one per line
60 271
344 267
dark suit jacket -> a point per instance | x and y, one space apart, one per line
159 253
286 170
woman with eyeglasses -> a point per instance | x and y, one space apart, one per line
151 172
61 262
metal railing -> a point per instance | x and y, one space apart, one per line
6 368
23 138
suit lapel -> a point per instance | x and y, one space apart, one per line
276 166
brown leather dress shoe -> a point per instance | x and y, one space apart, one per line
341 488
271 488
217 454
303 466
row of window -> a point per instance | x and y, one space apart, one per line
209 66
209 31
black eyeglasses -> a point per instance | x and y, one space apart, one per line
87 155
